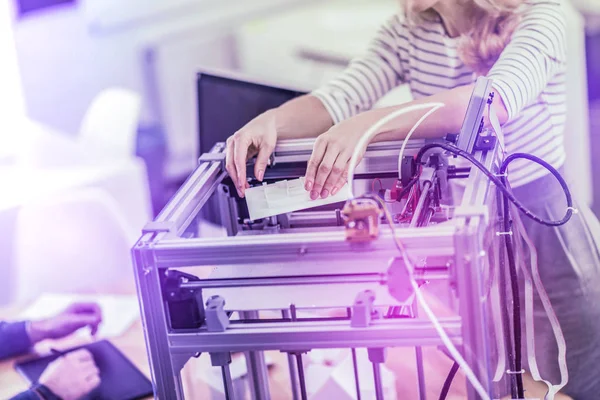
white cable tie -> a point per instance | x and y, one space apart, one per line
508 371
575 210
509 233
504 175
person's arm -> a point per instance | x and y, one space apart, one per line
27 395
535 54
37 392
328 166
357 88
299 118
18 337
14 339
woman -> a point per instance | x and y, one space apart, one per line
439 49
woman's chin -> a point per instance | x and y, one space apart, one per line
419 6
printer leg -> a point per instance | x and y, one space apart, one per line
166 381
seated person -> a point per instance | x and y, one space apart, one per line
69 377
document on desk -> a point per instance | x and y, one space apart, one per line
284 197
118 311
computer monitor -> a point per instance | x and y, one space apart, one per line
227 101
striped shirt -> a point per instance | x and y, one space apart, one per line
529 76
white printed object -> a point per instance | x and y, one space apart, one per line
337 382
284 197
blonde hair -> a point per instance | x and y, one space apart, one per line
493 23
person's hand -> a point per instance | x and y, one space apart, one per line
71 376
327 169
258 138
76 316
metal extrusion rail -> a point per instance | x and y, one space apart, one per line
456 245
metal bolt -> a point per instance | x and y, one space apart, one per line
302 251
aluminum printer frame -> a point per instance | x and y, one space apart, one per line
454 251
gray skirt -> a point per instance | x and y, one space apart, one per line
569 265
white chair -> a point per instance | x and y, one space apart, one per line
78 240
84 205
108 137
109 127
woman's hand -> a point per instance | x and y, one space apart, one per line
257 137
327 169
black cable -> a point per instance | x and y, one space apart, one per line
508 337
458 152
406 189
502 185
448 381
514 284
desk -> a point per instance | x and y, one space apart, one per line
132 344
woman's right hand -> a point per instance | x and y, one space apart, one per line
257 138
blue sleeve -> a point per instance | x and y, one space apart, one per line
14 339
27 395
37 392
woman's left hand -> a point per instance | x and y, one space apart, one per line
327 169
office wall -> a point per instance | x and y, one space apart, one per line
12 102
68 54
63 66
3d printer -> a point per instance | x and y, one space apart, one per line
373 252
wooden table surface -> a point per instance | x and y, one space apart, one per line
400 360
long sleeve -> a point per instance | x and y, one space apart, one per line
14 339
533 57
37 392
26 395
367 78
